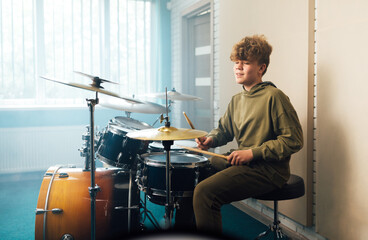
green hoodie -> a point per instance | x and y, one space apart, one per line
264 120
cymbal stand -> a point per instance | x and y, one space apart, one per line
128 114
94 188
169 206
161 116
148 214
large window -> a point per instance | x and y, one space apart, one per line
109 39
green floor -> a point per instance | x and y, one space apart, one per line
19 194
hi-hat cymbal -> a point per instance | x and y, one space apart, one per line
174 95
94 89
144 107
166 134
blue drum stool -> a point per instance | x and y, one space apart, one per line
294 188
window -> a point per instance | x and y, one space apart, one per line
108 39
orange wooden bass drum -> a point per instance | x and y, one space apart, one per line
64 204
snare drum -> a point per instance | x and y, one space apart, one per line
158 147
115 148
64 204
187 171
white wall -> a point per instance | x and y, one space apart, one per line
342 50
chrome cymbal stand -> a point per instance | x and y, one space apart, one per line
161 117
169 206
94 188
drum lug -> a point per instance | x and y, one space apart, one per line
144 180
196 177
63 175
54 211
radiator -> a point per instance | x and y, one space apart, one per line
38 148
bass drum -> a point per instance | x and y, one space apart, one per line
115 148
64 204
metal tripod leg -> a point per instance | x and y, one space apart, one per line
275 227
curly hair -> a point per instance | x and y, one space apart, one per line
252 48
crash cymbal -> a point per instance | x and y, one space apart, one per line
144 107
174 96
95 79
93 88
166 134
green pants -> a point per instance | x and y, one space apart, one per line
228 184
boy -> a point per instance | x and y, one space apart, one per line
266 128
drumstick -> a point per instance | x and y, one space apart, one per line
188 120
190 123
202 151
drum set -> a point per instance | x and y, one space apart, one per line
140 162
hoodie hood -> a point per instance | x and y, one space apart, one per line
259 87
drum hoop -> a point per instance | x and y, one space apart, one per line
149 162
119 130
122 166
132 120
162 193
176 165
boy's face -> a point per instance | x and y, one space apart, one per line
248 73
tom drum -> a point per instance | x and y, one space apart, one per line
115 148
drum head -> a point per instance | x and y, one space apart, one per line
177 159
187 143
118 129
130 123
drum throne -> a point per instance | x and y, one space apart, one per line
294 188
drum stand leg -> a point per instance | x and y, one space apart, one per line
147 213
94 188
169 206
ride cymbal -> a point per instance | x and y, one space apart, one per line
144 107
94 89
167 134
